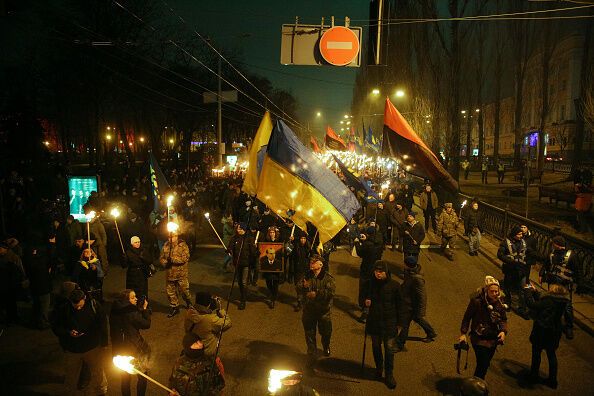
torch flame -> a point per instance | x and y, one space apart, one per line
463 204
91 215
115 212
275 379
124 363
172 227
207 215
169 200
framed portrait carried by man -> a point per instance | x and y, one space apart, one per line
271 257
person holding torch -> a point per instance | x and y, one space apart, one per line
174 257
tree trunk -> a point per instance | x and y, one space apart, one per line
585 74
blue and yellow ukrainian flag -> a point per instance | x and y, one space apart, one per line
292 178
256 155
158 182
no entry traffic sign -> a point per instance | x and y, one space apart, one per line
339 46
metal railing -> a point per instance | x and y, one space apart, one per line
556 166
499 222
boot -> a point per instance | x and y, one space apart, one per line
174 311
390 381
379 373
241 306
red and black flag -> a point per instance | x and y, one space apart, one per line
314 145
402 143
333 141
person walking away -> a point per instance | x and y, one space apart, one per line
512 253
447 227
429 203
12 279
486 319
548 309
243 250
317 290
473 226
384 301
414 234
466 168
129 316
500 172
398 219
414 307
80 324
174 257
562 268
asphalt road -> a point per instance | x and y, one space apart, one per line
261 339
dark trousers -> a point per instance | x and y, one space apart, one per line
483 359
272 285
425 325
429 214
322 321
8 303
500 176
242 281
512 285
484 175
127 382
383 361
551 356
466 172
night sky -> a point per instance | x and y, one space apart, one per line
252 29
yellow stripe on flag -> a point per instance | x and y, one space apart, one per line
250 183
280 189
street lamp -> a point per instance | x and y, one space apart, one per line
108 137
141 139
477 110
319 114
346 116
463 112
400 93
375 91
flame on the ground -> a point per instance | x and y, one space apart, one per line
275 379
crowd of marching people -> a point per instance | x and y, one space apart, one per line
48 248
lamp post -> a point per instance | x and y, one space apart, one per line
115 212
90 216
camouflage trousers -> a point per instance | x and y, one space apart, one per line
175 286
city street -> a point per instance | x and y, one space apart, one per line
261 339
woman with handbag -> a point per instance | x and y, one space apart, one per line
128 317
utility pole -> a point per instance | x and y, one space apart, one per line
220 118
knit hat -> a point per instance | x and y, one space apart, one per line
448 205
411 261
134 239
67 288
489 280
76 295
381 265
515 231
203 298
370 230
559 241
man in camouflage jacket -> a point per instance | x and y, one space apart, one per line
174 257
448 225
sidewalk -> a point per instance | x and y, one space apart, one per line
583 306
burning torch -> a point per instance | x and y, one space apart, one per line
207 215
90 216
115 212
124 363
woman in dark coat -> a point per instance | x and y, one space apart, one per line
547 310
126 320
139 268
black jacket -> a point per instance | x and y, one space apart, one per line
547 311
370 252
126 321
414 294
248 251
386 311
138 270
325 288
474 218
300 258
416 232
514 260
90 321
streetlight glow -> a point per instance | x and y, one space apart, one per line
171 141
108 137
463 112
318 114
346 116
375 91
477 110
399 93
109 128
141 139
